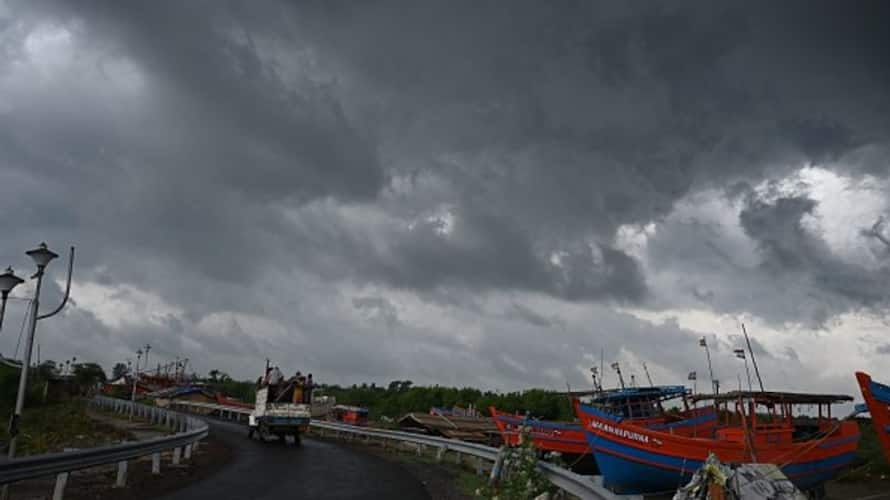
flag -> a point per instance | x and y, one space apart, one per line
693 376
739 353
702 342
614 366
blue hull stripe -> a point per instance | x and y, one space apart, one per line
881 392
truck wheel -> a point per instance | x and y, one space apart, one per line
250 432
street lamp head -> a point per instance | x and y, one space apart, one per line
41 256
8 281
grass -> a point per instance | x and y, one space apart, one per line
54 427
469 483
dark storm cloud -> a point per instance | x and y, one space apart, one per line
201 151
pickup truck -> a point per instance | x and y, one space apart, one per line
277 418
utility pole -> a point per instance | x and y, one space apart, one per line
135 380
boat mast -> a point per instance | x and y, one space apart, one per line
715 387
753 359
617 368
646 369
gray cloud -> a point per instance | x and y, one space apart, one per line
261 161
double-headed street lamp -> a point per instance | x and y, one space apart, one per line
41 256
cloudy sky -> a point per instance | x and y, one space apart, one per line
481 193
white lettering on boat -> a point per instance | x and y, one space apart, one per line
618 431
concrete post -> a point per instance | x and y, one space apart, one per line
121 474
59 489
177 453
458 458
155 464
188 452
440 454
195 447
419 449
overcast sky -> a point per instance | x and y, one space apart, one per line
479 193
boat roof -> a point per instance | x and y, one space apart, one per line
644 393
798 398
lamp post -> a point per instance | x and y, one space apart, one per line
8 281
42 256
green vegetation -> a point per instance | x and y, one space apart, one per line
54 426
870 462
401 397
52 419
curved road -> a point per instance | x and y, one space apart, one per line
317 469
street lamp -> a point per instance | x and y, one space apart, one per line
41 256
8 281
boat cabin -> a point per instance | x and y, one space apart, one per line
768 418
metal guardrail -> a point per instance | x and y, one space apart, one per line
189 431
586 487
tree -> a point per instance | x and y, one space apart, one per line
118 371
88 374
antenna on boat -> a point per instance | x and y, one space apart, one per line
602 365
617 368
753 359
648 377
740 353
597 385
715 385
633 380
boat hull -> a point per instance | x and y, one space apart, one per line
634 459
877 400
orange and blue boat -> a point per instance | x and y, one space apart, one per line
641 405
877 402
760 428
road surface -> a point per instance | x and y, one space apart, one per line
317 469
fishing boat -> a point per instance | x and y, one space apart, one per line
877 401
759 428
643 405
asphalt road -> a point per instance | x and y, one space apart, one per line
316 469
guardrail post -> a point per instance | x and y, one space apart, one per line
155 464
188 452
121 474
496 468
458 458
59 489
480 468
195 447
440 454
419 449
177 453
